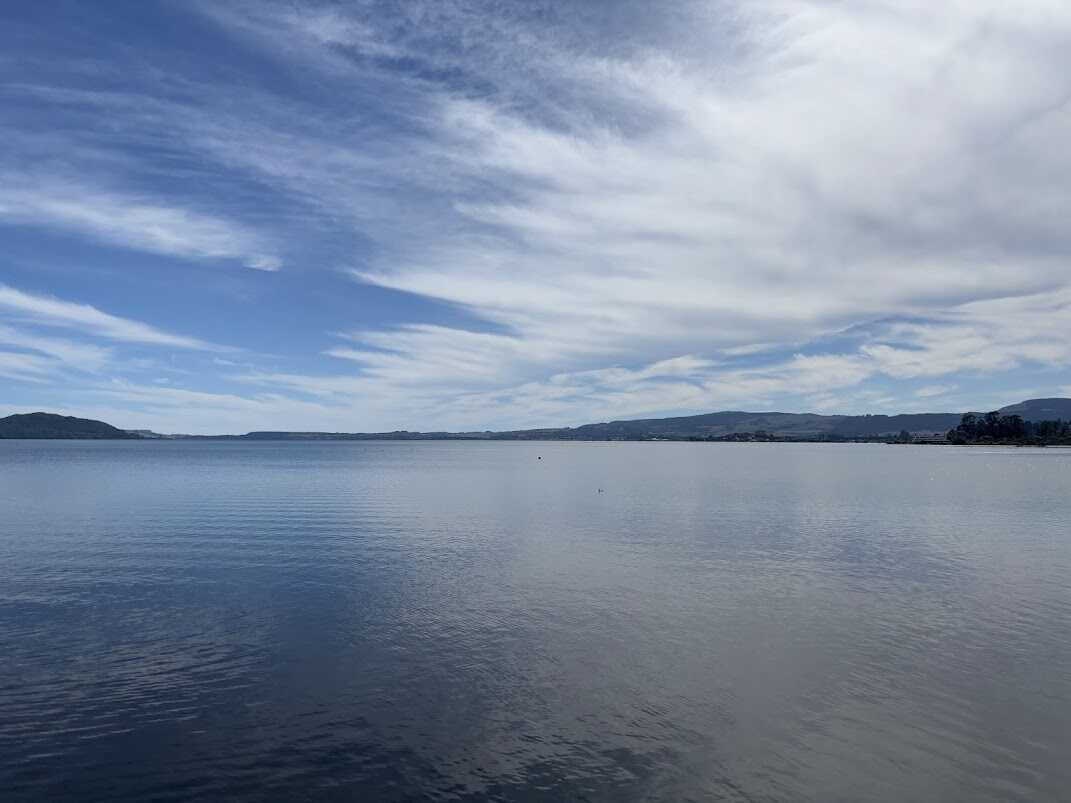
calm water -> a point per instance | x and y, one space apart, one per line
464 621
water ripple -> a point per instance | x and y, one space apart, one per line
459 622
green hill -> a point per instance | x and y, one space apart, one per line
48 425
1040 410
804 426
732 422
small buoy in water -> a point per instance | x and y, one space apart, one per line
540 457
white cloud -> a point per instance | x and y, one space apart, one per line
177 410
80 356
931 391
26 367
393 394
979 338
265 263
647 222
854 163
130 222
90 320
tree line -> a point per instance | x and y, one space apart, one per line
993 427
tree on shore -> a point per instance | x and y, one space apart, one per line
993 427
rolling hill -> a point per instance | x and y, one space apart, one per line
1040 410
798 425
707 425
49 425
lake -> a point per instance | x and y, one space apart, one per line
479 621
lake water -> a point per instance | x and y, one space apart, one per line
466 621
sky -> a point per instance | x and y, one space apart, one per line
218 217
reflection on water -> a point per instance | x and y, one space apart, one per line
462 621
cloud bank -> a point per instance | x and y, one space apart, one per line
639 210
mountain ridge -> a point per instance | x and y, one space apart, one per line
725 423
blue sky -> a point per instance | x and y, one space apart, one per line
228 216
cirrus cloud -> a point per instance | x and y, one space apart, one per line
790 202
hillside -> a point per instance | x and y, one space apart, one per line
48 425
796 425
791 425
803 426
1040 410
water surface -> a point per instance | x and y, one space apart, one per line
464 621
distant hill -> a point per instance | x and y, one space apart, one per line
1040 410
795 425
48 425
788 425
803 426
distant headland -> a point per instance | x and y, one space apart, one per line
1035 421
49 425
